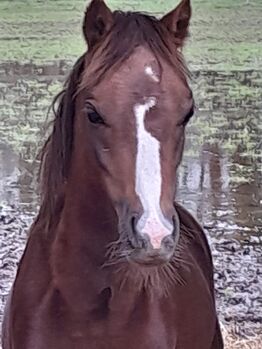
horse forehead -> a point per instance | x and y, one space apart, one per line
152 70
140 82
140 69
146 69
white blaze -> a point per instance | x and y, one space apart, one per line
149 179
150 72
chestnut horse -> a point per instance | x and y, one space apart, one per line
112 262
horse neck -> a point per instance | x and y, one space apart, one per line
87 226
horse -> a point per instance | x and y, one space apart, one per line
112 260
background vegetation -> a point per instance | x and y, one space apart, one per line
225 33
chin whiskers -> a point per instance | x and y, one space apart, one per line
117 252
156 281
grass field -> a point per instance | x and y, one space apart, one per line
225 33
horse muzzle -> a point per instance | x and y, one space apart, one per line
153 240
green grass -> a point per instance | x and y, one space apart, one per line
226 34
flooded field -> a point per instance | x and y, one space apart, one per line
220 179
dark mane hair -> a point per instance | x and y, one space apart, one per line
56 152
129 30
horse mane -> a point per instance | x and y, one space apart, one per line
56 152
129 30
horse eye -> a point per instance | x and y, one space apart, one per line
95 118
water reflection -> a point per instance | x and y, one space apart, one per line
207 187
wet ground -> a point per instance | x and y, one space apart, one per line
220 178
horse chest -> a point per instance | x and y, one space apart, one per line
133 324
139 324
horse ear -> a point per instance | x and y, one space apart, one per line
97 22
177 21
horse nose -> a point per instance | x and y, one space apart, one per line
152 246
156 228
166 245
145 254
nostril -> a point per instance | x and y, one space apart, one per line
134 220
168 243
143 241
135 238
